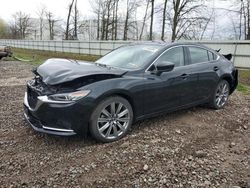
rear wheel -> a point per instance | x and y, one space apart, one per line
111 120
221 95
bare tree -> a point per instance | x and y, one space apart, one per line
51 23
182 15
131 9
144 19
109 8
107 13
164 20
248 19
206 23
113 21
68 20
125 30
100 8
235 29
3 29
151 20
21 25
116 18
75 20
41 15
240 9
14 33
245 11
79 25
98 20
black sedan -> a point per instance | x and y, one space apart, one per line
133 82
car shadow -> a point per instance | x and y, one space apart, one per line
86 140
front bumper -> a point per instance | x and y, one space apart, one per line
56 119
37 126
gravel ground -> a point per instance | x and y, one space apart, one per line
198 147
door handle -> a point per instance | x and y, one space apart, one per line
216 68
184 76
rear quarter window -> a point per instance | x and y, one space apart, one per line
211 56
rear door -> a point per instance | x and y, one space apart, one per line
205 66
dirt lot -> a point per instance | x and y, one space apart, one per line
198 147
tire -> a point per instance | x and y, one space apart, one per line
220 95
111 119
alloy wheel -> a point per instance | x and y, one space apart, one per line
113 120
222 94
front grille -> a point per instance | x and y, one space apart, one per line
34 121
32 97
37 87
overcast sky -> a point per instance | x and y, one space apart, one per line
58 7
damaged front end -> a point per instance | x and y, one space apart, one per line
56 108
45 115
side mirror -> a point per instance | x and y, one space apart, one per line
164 66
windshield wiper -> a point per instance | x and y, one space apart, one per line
99 64
103 65
73 61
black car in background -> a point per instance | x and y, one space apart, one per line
133 82
5 51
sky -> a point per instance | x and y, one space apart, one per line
59 7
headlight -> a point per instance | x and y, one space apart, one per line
64 97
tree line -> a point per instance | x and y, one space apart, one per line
119 20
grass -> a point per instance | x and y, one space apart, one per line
244 81
37 57
245 89
244 76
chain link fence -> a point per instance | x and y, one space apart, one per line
239 49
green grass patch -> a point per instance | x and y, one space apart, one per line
244 76
37 57
245 89
244 81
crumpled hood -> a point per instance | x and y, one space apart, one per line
56 71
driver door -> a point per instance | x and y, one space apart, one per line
169 90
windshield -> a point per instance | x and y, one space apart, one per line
129 57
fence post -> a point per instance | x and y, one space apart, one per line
89 47
100 49
62 47
235 50
54 45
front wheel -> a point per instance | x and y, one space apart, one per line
221 95
111 120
